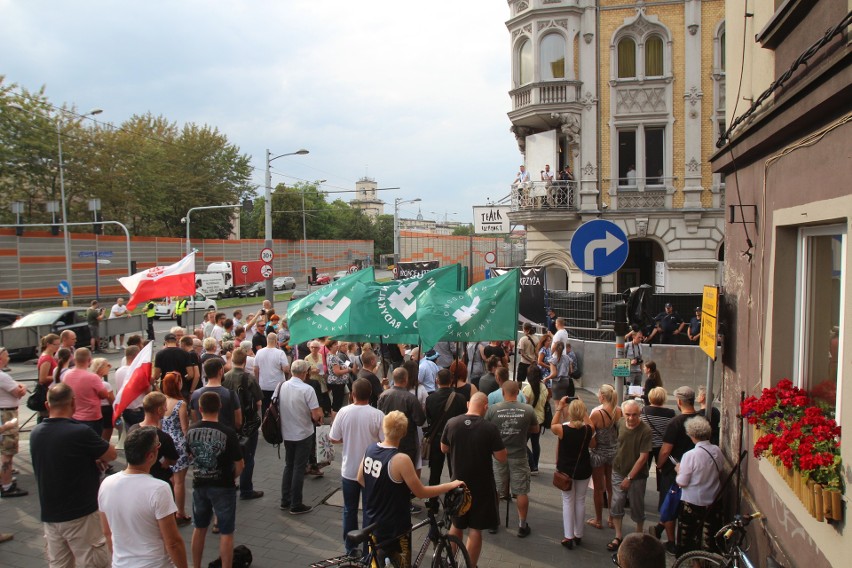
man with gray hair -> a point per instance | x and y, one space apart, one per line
629 471
301 411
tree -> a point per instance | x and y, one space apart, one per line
383 235
463 231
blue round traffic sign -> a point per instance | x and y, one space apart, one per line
599 247
64 287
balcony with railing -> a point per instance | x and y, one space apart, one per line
542 197
545 93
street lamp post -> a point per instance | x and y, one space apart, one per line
267 206
396 203
186 219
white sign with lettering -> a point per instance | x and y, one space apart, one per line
491 219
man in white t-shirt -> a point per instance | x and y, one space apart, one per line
561 334
270 364
138 511
300 409
219 329
118 310
356 426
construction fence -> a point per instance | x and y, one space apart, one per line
31 266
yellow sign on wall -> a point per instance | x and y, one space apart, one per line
709 322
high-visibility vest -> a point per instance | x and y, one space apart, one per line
180 308
150 310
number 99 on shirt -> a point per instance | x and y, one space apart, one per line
372 467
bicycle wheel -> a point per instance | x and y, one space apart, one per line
451 553
702 559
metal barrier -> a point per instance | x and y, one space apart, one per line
122 326
22 337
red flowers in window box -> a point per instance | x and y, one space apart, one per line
797 430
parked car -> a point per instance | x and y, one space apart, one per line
58 320
340 274
165 308
256 289
298 294
322 279
8 317
284 283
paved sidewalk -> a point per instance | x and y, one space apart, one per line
277 538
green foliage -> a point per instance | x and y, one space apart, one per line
462 231
147 172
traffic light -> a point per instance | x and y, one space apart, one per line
97 228
54 230
313 274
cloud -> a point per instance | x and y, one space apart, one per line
413 93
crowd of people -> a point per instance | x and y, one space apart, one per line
393 408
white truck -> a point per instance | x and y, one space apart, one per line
212 285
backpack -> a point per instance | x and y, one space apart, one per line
578 370
242 558
248 404
271 425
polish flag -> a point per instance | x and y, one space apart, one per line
174 280
139 381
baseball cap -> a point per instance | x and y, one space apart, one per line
170 337
684 393
431 355
668 305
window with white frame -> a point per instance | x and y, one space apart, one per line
552 56
820 303
525 63
641 156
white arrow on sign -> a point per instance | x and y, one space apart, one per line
610 243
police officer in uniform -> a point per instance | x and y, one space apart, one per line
150 311
180 309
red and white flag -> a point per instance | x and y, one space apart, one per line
139 381
176 279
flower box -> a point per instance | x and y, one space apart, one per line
800 437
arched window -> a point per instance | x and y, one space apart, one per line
722 51
552 53
626 58
525 63
654 57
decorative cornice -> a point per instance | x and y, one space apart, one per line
542 25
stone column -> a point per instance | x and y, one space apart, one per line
692 106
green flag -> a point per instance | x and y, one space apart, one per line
390 308
326 311
486 311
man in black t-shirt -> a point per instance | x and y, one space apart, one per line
439 410
488 382
675 444
471 441
217 461
230 412
368 371
250 396
173 358
67 460
154 405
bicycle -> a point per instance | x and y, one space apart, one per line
729 539
449 550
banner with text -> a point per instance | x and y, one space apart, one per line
404 270
532 293
491 219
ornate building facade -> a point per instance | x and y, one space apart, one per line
366 198
630 96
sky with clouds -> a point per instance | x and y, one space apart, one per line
412 94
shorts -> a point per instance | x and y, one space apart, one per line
483 513
219 500
9 446
636 493
94 331
106 419
516 472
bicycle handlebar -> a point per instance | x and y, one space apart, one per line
740 522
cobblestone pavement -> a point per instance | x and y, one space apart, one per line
279 539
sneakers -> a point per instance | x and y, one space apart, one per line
534 471
284 506
252 495
315 471
656 531
13 491
524 531
415 510
300 509
492 530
